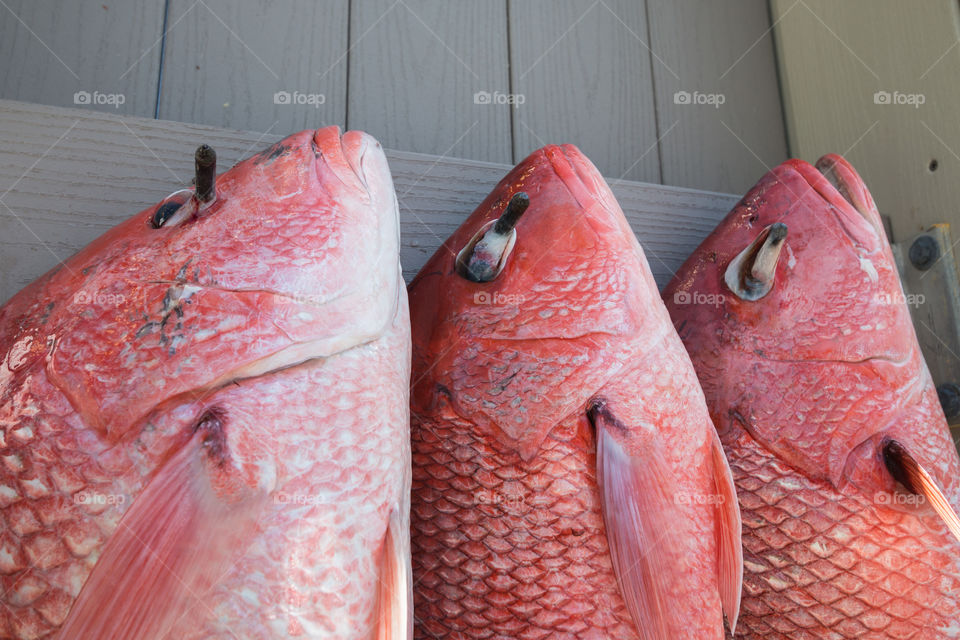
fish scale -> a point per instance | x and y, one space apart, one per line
204 425
567 480
864 580
846 473
499 540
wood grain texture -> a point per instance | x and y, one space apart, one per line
721 147
415 68
835 56
583 67
53 49
67 175
226 61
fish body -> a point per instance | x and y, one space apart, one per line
567 481
817 388
204 425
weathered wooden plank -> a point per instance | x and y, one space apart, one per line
66 176
264 65
415 69
718 101
108 52
583 69
834 59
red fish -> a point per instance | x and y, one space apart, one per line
796 322
204 413
567 480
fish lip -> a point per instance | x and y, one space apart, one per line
850 216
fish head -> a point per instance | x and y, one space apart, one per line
793 312
288 262
528 344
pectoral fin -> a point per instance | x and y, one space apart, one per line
395 610
638 532
729 531
650 536
172 545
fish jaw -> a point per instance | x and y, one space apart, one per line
265 278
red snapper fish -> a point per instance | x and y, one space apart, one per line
797 325
204 413
567 480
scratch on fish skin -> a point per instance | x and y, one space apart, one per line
46 313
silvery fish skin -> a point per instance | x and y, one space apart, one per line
823 403
205 424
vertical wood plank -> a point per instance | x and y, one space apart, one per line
415 69
718 100
584 69
225 63
835 57
53 49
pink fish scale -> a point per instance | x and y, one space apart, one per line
54 525
504 548
821 572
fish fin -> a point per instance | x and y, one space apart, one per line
907 471
171 546
729 531
395 609
635 509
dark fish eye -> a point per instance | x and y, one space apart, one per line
169 206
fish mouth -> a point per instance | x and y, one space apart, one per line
837 182
847 182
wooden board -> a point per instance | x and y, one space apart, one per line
233 64
416 73
67 175
735 133
416 68
583 67
51 50
835 56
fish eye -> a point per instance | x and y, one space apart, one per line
182 204
483 258
170 206
750 274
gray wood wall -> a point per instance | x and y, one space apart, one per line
603 74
